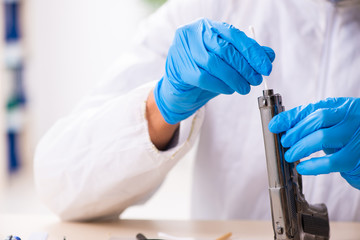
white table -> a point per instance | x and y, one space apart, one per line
24 225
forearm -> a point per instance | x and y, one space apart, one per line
98 140
160 131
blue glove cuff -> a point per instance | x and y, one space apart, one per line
168 115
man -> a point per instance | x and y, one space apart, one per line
117 146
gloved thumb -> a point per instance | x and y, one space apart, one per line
269 52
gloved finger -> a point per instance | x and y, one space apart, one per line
314 166
249 48
270 53
212 64
194 70
348 158
286 120
316 141
216 67
340 161
321 118
226 51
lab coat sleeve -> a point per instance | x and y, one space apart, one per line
99 160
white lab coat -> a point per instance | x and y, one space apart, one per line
99 160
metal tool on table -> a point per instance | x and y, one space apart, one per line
293 218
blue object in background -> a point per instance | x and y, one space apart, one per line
16 97
12 32
13 164
15 106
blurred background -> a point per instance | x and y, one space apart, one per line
52 54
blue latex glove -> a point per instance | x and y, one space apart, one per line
208 58
332 125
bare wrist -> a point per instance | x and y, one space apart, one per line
160 131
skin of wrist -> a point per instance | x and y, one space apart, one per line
160 131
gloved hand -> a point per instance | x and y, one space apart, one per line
205 59
332 125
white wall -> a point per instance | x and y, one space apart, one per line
70 43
